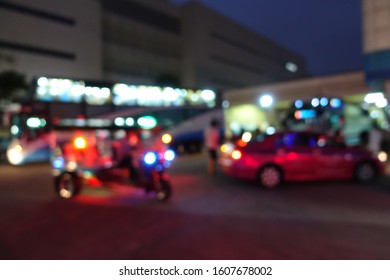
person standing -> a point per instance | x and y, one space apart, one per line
211 137
339 138
375 136
124 151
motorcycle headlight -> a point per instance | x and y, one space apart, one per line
150 158
169 155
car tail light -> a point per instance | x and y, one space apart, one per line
241 143
80 143
236 154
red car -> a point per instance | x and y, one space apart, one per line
298 156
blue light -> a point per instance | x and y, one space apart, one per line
150 158
298 104
169 155
324 101
58 163
335 102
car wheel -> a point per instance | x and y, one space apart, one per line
365 172
270 177
67 185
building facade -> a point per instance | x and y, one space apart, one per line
220 53
56 38
376 44
140 42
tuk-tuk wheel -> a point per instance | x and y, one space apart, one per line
163 192
67 185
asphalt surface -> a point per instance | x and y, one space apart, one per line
206 218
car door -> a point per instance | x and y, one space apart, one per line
297 157
332 160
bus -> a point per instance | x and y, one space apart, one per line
68 100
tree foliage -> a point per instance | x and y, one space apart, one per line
11 82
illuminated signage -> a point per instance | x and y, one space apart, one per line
305 114
161 96
66 90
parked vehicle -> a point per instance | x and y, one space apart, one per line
298 156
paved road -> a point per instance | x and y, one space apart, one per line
207 218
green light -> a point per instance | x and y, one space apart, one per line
33 122
147 122
43 122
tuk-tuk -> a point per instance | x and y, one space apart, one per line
97 152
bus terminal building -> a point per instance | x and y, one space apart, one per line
146 42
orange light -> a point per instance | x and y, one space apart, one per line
298 115
241 143
236 154
80 143
166 138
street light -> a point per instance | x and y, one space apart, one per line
266 101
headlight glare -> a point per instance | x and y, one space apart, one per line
169 155
150 158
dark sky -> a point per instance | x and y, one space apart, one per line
328 33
